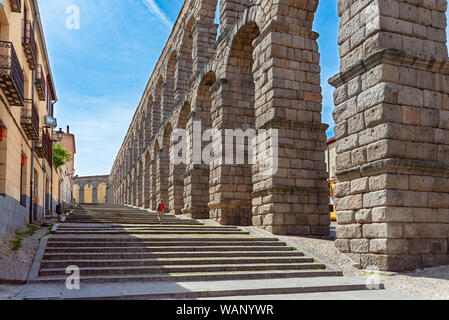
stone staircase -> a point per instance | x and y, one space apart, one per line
112 244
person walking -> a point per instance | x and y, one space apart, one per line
160 211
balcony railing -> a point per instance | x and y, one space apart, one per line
30 120
16 5
29 44
40 83
43 146
11 75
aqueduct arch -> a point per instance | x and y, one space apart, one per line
263 73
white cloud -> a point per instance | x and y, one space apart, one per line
156 11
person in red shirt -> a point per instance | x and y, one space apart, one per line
160 211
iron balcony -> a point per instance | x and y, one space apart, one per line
43 146
40 83
11 74
30 120
29 44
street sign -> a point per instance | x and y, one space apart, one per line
50 121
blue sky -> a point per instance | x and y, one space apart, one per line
101 70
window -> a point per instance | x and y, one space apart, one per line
23 180
3 155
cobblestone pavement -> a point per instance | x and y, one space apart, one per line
429 283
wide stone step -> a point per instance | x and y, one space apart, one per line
173 243
200 289
146 228
119 239
142 250
50 264
184 269
75 255
128 221
208 276
139 226
168 231
132 221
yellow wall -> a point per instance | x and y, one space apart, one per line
88 193
101 193
76 193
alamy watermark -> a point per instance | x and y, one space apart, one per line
227 146
73 19
73 280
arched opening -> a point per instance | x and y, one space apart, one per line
178 165
163 165
168 89
231 179
148 121
76 193
153 177
147 181
88 192
101 193
158 110
139 184
199 129
184 63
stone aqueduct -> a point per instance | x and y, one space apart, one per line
263 72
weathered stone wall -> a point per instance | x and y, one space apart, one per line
392 133
262 72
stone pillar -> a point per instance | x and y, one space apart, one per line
392 130
290 191
176 185
95 194
153 203
163 164
205 34
230 12
196 178
81 194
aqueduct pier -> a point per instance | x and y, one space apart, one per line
263 72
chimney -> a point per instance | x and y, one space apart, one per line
68 129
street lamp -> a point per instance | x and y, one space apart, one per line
59 135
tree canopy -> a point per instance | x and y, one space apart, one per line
61 155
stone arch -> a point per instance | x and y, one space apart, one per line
147 180
168 90
102 192
76 194
163 165
157 110
231 180
88 193
196 184
148 121
184 60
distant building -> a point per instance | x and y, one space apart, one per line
67 171
331 159
91 189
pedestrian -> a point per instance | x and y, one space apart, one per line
160 211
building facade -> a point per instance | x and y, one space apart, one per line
263 72
67 171
27 98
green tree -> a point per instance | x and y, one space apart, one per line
61 155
